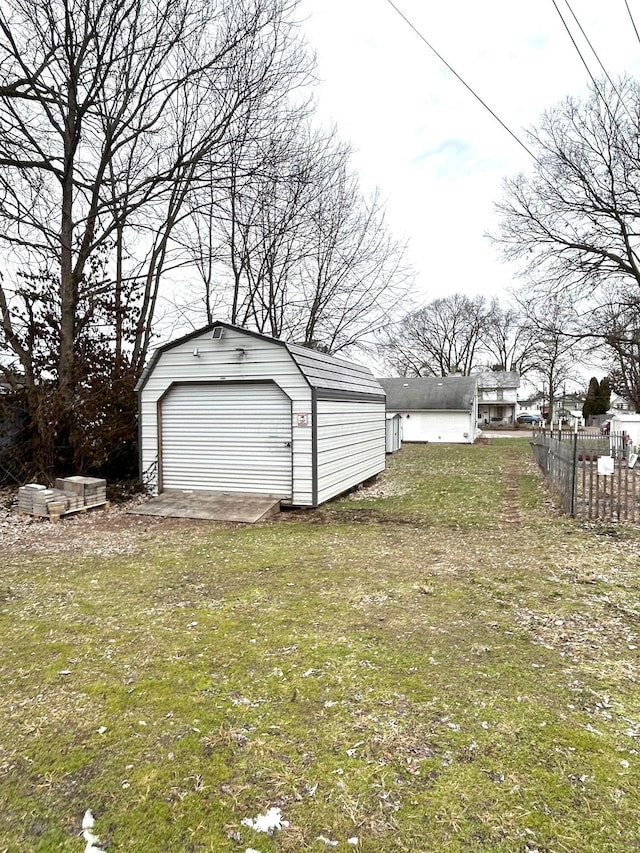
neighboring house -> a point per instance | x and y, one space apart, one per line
536 404
572 402
225 409
568 409
497 397
437 409
565 407
619 404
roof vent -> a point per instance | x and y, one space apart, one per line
217 333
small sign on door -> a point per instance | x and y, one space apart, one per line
303 419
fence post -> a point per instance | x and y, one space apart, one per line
574 474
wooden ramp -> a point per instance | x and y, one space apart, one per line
211 506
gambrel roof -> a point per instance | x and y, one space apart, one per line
333 377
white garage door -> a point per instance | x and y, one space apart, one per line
231 437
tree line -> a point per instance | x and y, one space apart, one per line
463 334
573 226
161 165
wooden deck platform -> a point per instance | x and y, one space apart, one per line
211 506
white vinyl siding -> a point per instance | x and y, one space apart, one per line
234 357
351 444
230 437
343 447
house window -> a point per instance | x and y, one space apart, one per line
480 393
500 393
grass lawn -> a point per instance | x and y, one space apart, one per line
446 665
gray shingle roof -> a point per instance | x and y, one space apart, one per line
442 393
331 373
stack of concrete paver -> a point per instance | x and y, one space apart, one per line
26 494
92 490
71 494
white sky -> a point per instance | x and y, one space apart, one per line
437 155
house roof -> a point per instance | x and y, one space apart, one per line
498 379
332 375
439 393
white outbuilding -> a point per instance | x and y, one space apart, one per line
627 423
228 410
434 408
394 433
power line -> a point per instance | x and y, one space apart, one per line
593 50
597 88
464 83
632 21
573 41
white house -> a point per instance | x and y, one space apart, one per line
619 404
225 409
497 397
434 408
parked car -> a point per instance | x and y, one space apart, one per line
526 418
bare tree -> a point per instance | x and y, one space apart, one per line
507 339
554 342
618 342
446 336
574 222
235 189
108 111
272 223
310 259
355 278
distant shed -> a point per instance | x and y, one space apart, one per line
394 433
226 409
629 423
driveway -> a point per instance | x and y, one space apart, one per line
521 432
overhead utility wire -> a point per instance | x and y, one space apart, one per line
575 44
464 83
632 21
593 50
597 88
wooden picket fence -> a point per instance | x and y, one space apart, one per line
608 490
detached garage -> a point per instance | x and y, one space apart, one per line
434 408
225 409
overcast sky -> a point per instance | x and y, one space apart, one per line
437 155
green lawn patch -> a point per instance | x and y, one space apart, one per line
439 663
